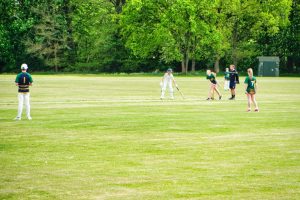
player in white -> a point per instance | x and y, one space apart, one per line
167 81
23 81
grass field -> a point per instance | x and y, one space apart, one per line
96 137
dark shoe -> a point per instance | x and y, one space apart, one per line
208 99
220 97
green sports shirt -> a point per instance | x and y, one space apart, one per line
250 84
227 75
212 78
23 80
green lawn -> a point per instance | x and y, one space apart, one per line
96 137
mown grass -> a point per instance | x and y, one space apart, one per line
112 138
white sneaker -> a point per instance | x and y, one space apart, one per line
29 118
17 118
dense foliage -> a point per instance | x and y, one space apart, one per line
147 35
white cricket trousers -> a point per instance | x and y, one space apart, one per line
164 87
226 84
23 98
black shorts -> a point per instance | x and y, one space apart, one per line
232 85
251 91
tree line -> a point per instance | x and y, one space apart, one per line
147 35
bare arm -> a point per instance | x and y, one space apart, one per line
246 85
255 86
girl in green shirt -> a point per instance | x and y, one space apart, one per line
211 76
251 88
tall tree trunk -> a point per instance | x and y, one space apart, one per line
183 65
290 64
67 8
235 61
187 63
193 65
217 64
55 57
193 51
234 44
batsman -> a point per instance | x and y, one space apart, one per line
167 81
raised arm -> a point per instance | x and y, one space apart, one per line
255 86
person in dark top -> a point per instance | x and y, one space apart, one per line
234 79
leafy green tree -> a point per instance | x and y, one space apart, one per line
49 35
14 24
292 38
249 19
192 26
286 42
97 34
68 9
178 29
139 35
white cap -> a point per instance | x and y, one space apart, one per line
24 66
